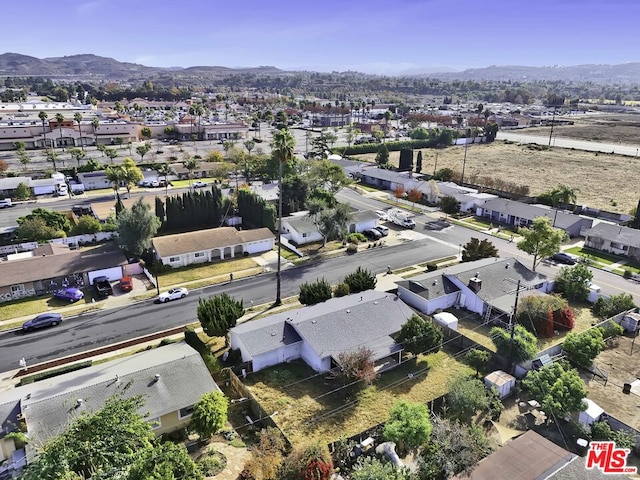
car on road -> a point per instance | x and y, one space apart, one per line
126 284
41 321
382 215
173 294
199 184
70 294
564 257
372 234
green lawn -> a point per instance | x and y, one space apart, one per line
606 259
35 305
181 275
319 408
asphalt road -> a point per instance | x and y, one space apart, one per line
96 329
564 142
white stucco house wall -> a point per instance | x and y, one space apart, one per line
318 333
477 286
299 229
202 246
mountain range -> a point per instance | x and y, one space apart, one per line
88 65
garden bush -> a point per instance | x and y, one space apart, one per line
316 292
356 238
342 289
360 280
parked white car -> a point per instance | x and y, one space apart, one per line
173 294
382 215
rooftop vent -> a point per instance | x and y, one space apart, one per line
157 377
506 266
348 311
273 334
475 284
314 321
435 282
79 402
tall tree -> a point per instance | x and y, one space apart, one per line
132 174
518 345
333 223
115 175
43 117
218 314
164 171
209 414
59 120
112 153
102 444
77 154
540 240
78 118
52 156
282 147
409 425
558 388
574 282
419 162
137 227
143 149
95 123
420 335
582 348
382 157
477 249
191 164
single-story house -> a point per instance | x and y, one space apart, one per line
518 214
201 246
527 457
612 238
53 267
319 333
8 185
94 180
487 284
171 379
204 170
300 229
362 220
388 179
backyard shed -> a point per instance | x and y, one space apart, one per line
446 319
592 413
501 381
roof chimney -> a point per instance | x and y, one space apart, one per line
475 284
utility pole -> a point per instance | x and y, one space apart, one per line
513 325
464 162
435 166
553 122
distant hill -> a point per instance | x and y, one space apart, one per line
88 65
624 73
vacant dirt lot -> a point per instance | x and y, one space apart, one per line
597 128
621 367
608 182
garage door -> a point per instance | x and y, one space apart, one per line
113 274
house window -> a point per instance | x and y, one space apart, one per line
618 246
154 422
199 254
304 235
185 412
17 288
174 259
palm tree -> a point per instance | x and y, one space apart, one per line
78 118
282 147
164 171
563 195
94 123
115 175
59 120
43 116
52 156
190 164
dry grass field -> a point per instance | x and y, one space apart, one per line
597 128
608 182
308 412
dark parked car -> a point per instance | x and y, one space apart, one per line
103 287
69 294
372 234
41 321
563 257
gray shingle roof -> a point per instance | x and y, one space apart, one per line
363 216
430 285
49 405
301 223
529 212
203 240
337 325
499 276
615 233
267 334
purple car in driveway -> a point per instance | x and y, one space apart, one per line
69 294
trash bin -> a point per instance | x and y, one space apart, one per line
582 446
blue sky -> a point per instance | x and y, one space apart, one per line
372 36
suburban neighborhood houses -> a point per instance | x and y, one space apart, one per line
256 273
